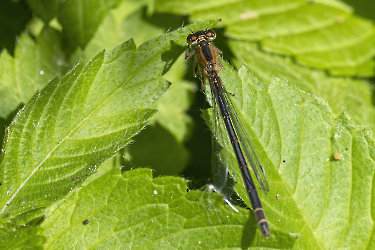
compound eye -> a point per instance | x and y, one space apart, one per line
191 39
188 39
210 34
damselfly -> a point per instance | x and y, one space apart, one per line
208 62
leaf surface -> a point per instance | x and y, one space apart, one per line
66 130
318 167
81 18
34 63
134 211
319 34
342 93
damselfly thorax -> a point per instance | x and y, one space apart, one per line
206 53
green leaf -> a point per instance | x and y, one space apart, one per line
319 168
324 34
351 95
23 238
14 17
34 63
154 143
344 44
170 126
81 18
237 12
72 125
318 34
168 130
172 109
121 24
313 202
133 211
362 8
117 27
183 7
45 9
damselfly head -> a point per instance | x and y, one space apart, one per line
202 35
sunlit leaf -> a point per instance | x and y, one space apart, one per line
304 124
134 211
342 93
65 131
319 34
318 167
23 238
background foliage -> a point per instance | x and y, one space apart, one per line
302 85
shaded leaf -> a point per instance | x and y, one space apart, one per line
81 18
34 63
158 149
120 24
45 9
14 16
